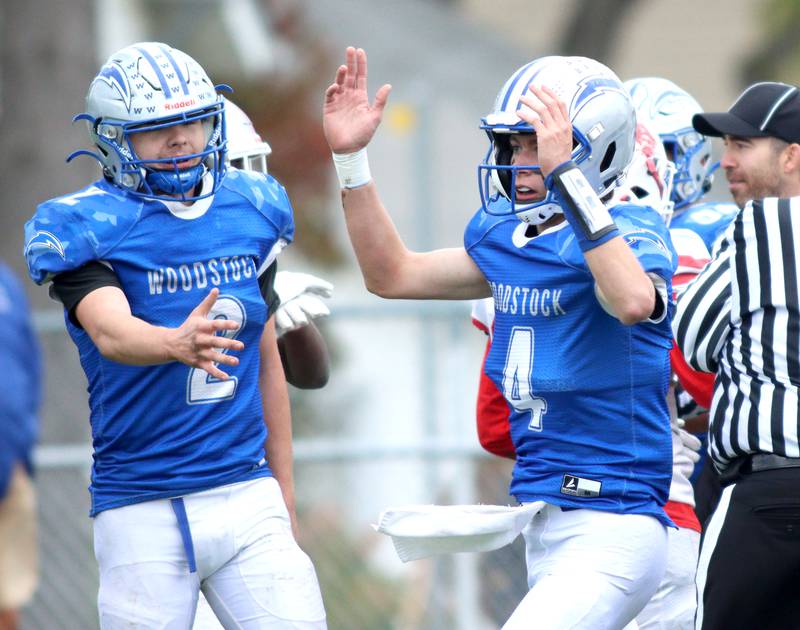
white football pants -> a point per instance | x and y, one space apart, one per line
588 569
674 604
248 564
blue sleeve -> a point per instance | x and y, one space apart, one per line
480 224
56 241
21 388
282 212
644 231
269 197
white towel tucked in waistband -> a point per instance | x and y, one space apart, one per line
419 531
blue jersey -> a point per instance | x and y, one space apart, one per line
707 220
586 394
168 430
20 387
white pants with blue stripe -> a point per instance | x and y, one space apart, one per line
240 542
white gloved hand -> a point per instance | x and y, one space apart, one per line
691 444
301 300
686 453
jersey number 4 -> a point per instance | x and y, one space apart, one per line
202 388
517 375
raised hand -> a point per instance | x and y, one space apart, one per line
349 121
196 342
549 117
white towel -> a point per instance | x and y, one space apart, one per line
419 531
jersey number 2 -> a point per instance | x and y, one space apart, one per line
202 387
517 377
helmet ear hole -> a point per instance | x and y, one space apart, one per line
608 157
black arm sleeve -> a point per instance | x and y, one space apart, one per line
70 287
266 282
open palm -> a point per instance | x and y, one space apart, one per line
349 121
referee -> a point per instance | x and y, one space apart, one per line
740 318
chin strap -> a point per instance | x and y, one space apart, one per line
174 181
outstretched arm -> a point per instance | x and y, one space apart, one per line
389 268
106 316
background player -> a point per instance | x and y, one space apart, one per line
695 227
151 262
560 289
304 353
19 429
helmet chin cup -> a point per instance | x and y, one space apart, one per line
174 181
498 195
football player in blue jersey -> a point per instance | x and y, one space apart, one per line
669 108
19 428
165 269
695 227
581 334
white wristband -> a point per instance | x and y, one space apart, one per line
352 168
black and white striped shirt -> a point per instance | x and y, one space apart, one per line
740 318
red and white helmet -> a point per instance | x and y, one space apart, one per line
246 150
648 181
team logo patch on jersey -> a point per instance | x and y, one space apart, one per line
633 239
580 487
47 241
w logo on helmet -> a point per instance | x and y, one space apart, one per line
115 77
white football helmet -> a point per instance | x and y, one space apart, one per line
149 86
648 181
246 150
669 110
603 127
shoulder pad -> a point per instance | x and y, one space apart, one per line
480 224
708 220
645 232
67 232
267 195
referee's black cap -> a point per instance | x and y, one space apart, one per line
762 110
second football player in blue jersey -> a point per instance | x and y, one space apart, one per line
581 337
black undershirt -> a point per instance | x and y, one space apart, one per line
70 287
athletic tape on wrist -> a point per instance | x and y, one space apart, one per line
586 213
352 169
